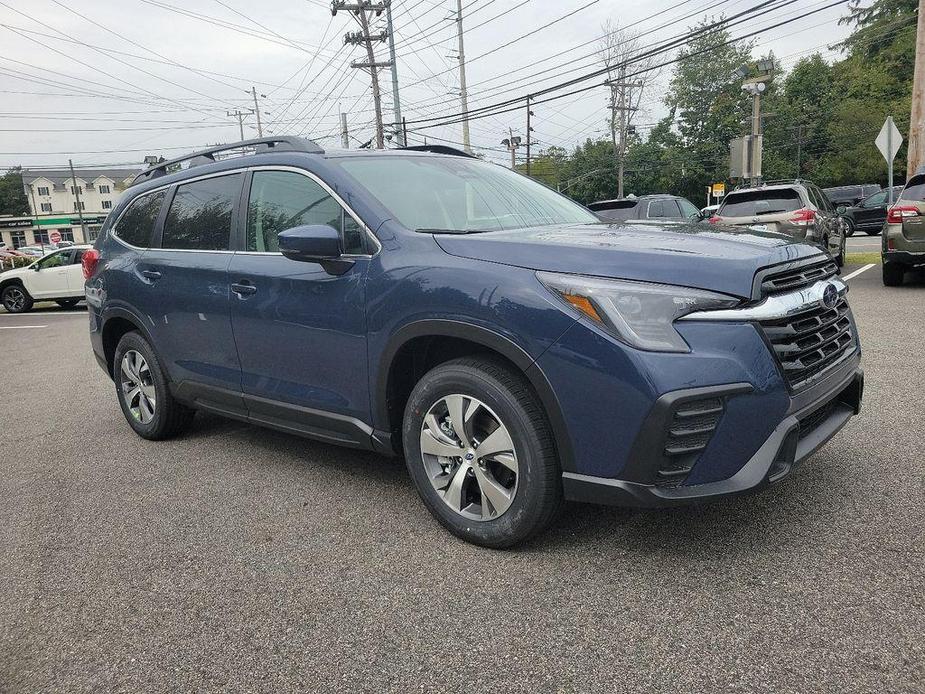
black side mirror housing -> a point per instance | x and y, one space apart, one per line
841 209
315 243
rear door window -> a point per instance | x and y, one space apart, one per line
201 214
754 203
137 222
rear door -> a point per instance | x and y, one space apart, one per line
75 275
186 294
300 331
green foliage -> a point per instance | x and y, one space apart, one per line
827 115
12 195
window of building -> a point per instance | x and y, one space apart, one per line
67 234
107 204
78 189
201 213
43 190
40 236
83 205
280 200
18 238
137 222
46 207
104 190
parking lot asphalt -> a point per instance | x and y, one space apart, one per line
241 559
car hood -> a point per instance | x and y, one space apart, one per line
693 255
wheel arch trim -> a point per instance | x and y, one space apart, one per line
485 337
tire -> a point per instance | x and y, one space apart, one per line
67 303
893 274
840 259
165 417
849 228
16 299
492 394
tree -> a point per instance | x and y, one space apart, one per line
12 194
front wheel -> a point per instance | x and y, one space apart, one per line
144 396
849 228
481 454
16 299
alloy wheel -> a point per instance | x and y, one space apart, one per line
138 386
14 299
469 457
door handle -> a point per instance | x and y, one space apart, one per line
243 288
151 274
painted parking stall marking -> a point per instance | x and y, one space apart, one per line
858 271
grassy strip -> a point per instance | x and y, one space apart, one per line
862 258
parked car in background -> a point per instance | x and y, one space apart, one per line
796 208
659 207
54 277
850 195
869 215
903 242
35 251
422 302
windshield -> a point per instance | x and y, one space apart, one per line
460 195
758 202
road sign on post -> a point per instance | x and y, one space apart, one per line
888 142
55 237
719 189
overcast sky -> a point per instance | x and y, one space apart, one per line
137 77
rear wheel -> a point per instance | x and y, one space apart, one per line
480 451
893 274
144 396
16 299
67 303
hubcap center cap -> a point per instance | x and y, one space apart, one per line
469 456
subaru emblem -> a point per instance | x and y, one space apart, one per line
469 456
830 296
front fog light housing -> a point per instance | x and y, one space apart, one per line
641 314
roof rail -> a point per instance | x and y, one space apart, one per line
262 144
438 149
774 182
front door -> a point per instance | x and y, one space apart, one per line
50 279
300 331
185 296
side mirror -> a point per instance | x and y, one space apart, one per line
315 243
36 267
841 209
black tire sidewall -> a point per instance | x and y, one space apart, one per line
527 510
156 427
27 304
849 228
893 274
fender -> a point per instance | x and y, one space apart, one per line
493 341
111 312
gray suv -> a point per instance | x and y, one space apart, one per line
796 208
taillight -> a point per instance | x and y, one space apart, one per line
803 217
88 263
898 212
714 219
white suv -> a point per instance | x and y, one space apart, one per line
56 277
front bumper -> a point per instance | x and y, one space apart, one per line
806 428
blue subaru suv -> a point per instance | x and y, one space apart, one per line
514 349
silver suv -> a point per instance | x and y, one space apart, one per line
796 208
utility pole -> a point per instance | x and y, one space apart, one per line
799 144
529 130
257 111
915 156
360 10
463 96
512 142
396 104
344 134
80 214
621 101
239 114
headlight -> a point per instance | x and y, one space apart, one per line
640 314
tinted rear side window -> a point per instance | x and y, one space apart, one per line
137 222
915 190
757 202
664 209
200 215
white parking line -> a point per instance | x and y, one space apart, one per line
858 272
45 313
20 327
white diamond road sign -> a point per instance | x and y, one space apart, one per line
889 140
